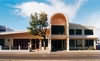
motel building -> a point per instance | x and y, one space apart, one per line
61 36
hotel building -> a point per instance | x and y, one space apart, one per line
61 36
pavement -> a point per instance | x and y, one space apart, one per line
48 60
84 55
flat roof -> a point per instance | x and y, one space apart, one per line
12 32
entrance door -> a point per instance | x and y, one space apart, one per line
58 45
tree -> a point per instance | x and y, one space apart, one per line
38 25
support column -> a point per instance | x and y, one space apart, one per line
19 48
94 44
67 44
10 43
6 42
49 45
83 32
30 46
40 44
83 44
67 34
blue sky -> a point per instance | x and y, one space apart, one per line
15 13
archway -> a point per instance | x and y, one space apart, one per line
59 27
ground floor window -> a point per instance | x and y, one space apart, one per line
75 44
89 43
35 43
80 44
45 43
20 43
23 44
2 43
72 43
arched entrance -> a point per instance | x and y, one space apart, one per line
59 32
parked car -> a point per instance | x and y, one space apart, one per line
98 46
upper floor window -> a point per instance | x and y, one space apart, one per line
88 32
57 29
2 30
78 32
75 32
71 32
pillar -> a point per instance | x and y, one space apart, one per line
83 32
67 34
30 46
94 41
49 45
49 39
40 44
83 44
67 44
19 48
10 43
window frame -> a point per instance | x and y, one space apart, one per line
78 32
71 31
88 32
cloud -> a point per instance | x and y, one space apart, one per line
94 20
70 10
